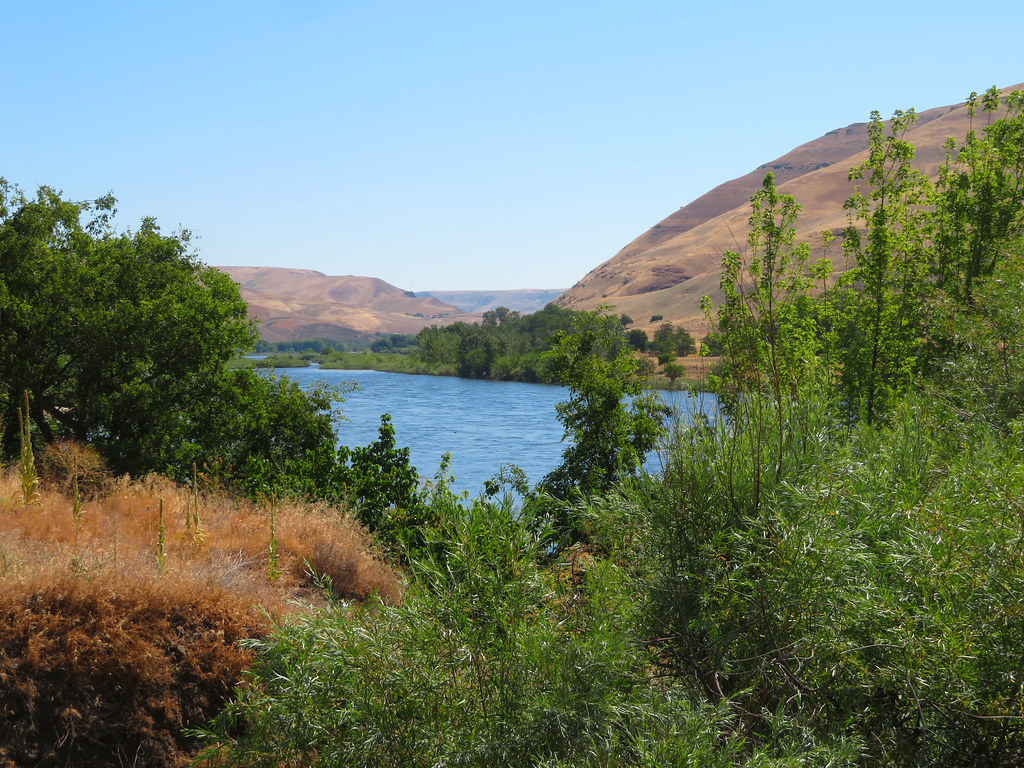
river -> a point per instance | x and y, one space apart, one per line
483 424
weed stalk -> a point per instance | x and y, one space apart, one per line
272 570
27 465
161 557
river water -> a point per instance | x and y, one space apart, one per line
483 424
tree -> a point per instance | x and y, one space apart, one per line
711 345
764 329
883 332
610 422
979 196
673 341
122 340
637 338
674 370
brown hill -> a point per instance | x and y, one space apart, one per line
305 304
521 300
668 268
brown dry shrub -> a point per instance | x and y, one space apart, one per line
334 545
109 670
66 461
104 656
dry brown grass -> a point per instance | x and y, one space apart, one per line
105 656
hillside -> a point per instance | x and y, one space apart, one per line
525 300
305 304
670 266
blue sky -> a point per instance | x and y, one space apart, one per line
455 145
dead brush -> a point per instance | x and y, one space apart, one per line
114 637
76 467
109 670
332 544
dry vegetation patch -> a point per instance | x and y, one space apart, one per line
120 622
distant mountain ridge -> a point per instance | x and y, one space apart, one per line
525 300
669 267
295 304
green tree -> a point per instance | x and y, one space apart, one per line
979 195
610 422
711 345
673 341
122 340
638 340
674 370
882 343
385 486
764 326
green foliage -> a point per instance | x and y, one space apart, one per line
674 370
385 487
979 196
377 481
711 345
492 659
918 254
506 345
765 328
259 427
884 325
386 361
871 589
123 338
610 422
280 361
637 339
976 357
669 340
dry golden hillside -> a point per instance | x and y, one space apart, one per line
304 304
669 267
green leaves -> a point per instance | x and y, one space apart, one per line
610 422
884 325
385 487
123 337
765 324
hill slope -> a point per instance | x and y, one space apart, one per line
524 300
670 266
305 304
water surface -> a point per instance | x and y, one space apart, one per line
483 424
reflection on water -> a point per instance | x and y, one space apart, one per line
483 424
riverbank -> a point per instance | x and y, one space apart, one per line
696 369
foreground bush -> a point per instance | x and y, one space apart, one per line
865 582
495 657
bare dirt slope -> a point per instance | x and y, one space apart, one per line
305 304
670 266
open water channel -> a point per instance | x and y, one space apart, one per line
483 424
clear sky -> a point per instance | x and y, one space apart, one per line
455 145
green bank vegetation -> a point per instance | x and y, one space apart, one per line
829 572
830 575
506 345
